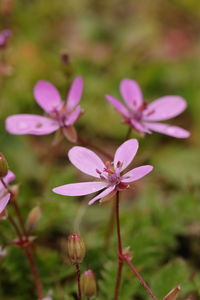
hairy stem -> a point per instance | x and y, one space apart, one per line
133 268
120 254
78 275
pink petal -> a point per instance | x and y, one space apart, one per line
131 93
118 106
86 160
164 108
101 195
174 131
47 96
73 117
125 153
30 124
136 173
4 201
80 189
139 126
9 177
75 93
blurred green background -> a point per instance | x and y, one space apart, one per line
156 43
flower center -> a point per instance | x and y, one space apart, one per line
60 115
110 174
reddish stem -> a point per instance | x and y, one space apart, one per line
133 268
27 250
78 275
120 254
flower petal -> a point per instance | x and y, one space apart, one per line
125 153
9 177
75 93
102 195
118 106
86 160
139 126
30 124
73 117
4 201
131 93
80 189
174 131
136 173
164 108
47 96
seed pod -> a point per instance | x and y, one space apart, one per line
3 166
33 219
75 248
172 294
88 284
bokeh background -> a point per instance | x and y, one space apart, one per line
156 43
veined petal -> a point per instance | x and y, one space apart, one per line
80 189
4 201
86 160
164 108
125 153
47 96
174 131
73 117
101 195
118 106
30 124
75 93
136 173
131 93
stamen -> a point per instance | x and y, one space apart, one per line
119 164
102 177
99 172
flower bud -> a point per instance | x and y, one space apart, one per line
3 166
75 248
172 294
88 284
33 219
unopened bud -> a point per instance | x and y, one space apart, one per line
3 166
70 133
88 284
172 294
33 219
75 248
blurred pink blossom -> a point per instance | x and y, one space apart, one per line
143 116
4 194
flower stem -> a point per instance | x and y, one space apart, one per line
120 254
128 134
78 275
101 151
28 249
133 268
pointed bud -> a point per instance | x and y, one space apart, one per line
75 248
33 219
173 293
88 284
3 166
70 133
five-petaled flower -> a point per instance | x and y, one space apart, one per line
109 176
4 194
143 116
60 115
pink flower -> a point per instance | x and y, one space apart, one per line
4 37
143 116
60 115
108 176
4 195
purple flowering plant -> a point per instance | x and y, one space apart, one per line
145 117
59 115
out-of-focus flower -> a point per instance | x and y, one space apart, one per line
48 296
88 284
3 252
4 37
4 194
60 115
143 116
108 176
